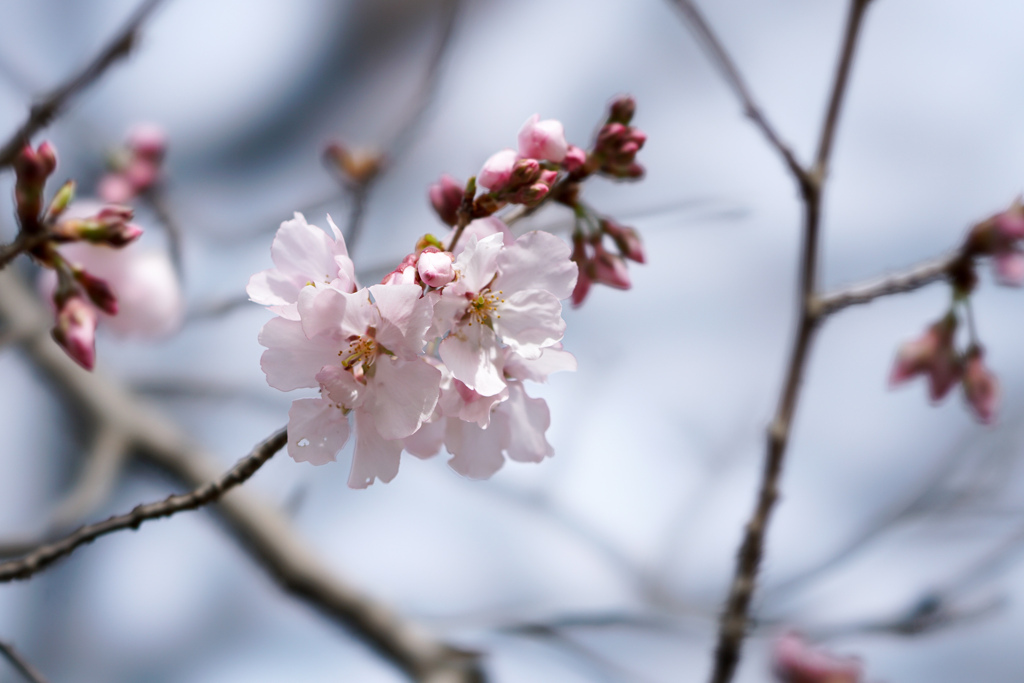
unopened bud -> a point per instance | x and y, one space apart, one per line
627 240
542 139
98 291
525 172
358 165
75 330
497 170
574 161
109 227
981 388
622 110
446 198
148 140
610 269
65 195
435 267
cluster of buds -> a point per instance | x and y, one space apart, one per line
1000 237
136 167
795 661
934 355
545 166
596 263
75 328
357 167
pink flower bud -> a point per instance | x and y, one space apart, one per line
582 260
525 172
446 198
75 330
435 267
933 355
626 239
575 159
497 170
148 140
542 139
610 269
404 274
142 174
98 291
548 177
1009 267
47 157
622 110
794 661
981 388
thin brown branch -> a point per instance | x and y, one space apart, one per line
907 281
43 557
735 616
721 59
23 243
839 87
262 529
46 109
22 665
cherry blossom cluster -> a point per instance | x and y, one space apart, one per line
935 354
795 661
78 294
437 354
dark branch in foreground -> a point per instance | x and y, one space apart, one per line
46 109
20 663
46 555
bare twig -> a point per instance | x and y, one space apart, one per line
906 281
28 671
46 109
23 243
734 619
264 531
43 557
720 58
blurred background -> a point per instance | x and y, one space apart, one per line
899 532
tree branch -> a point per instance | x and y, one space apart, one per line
906 281
721 59
264 531
46 555
45 110
735 616
28 671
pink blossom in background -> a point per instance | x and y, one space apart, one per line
150 303
139 166
795 661
303 255
543 139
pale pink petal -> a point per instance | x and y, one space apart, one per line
405 393
404 318
302 254
150 301
537 260
426 442
292 361
543 139
471 353
537 369
528 321
338 314
341 387
317 430
375 457
477 264
476 452
525 419
470 406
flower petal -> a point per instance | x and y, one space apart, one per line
404 318
471 354
476 452
528 321
317 430
527 420
291 360
375 457
404 395
537 260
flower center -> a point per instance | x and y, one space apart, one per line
484 305
359 355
